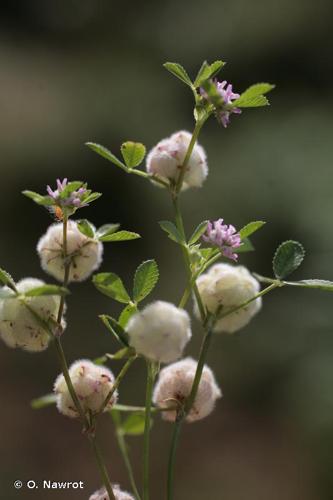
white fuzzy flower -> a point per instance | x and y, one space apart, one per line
85 253
174 385
103 495
92 383
166 158
229 286
18 325
160 331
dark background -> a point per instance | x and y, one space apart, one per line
73 71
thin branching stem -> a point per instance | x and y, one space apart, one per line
151 374
124 452
181 415
65 371
117 382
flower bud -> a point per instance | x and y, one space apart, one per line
160 331
102 494
19 327
84 253
92 384
229 286
174 386
166 159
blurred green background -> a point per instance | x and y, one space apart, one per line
73 71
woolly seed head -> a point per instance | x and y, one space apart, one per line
92 383
160 331
84 253
229 286
174 386
103 495
166 158
18 325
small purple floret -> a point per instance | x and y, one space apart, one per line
228 96
224 236
74 199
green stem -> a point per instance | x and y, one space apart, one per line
247 302
117 382
172 458
198 374
67 266
101 466
196 381
151 177
124 453
186 256
65 371
151 373
194 138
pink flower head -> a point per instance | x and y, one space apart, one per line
228 96
224 236
73 199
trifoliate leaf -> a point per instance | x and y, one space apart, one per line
207 71
145 279
38 198
106 230
288 257
86 228
120 236
251 228
171 231
133 153
47 290
254 96
111 285
178 71
134 425
102 151
117 331
199 231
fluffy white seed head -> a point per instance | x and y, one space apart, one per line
166 158
85 253
160 331
92 383
174 385
102 494
229 286
18 325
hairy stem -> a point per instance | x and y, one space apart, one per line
190 148
101 466
124 453
117 382
196 381
186 255
64 366
151 373
172 458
